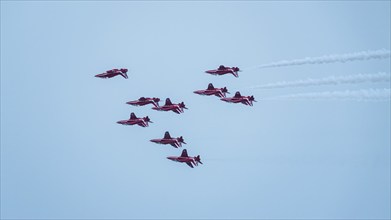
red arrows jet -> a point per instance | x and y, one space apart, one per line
238 98
184 158
145 101
167 139
133 120
168 106
211 90
113 72
222 70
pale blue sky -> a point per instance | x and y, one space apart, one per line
63 155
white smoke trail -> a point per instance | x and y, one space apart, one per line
342 58
332 80
357 95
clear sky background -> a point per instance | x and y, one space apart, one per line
63 155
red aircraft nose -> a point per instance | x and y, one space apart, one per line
100 75
132 103
121 122
224 99
171 158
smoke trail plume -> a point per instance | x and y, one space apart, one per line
332 80
342 58
357 95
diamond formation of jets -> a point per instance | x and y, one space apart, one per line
211 90
167 139
238 98
222 70
114 72
145 101
133 120
169 106
184 158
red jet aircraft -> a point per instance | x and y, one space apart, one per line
184 158
113 72
133 120
168 106
238 98
145 101
167 139
211 90
222 70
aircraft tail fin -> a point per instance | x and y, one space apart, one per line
156 101
123 72
252 98
168 101
147 119
198 159
221 67
167 135
182 105
237 94
181 140
133 116
235 71
184 153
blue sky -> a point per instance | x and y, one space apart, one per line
63 155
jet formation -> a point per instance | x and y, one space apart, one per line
179 108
